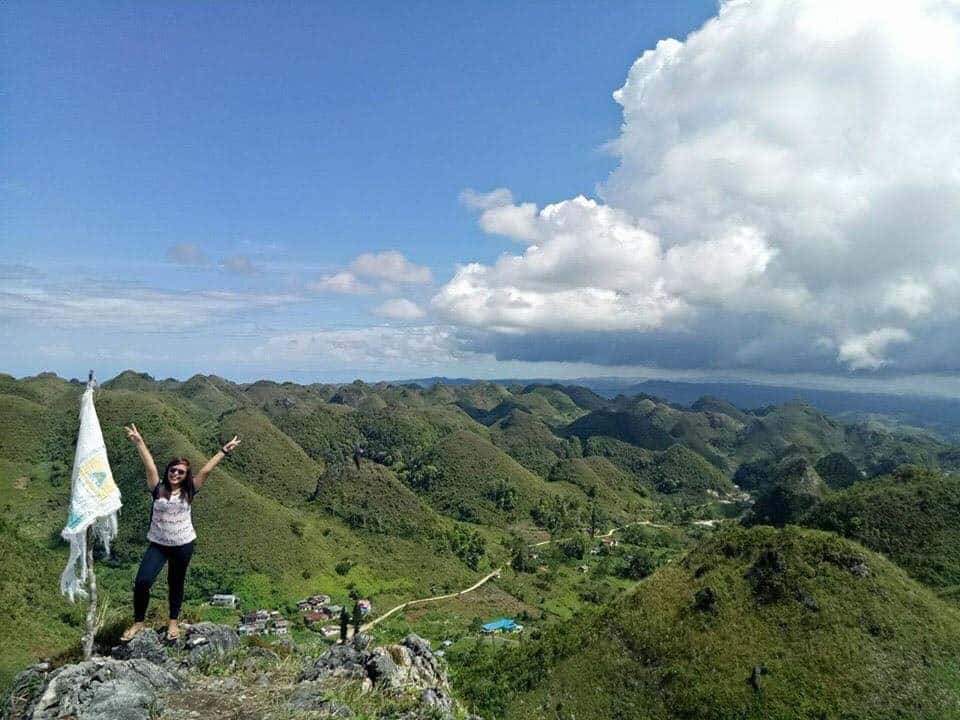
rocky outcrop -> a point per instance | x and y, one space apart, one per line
128 685
408 669
147 645
407 680
198 641
100 688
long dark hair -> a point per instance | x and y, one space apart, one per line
187 489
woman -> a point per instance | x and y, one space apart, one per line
171 532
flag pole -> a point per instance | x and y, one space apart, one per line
91 628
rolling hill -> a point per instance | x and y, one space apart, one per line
757 623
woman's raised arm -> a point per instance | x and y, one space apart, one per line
153 478
201 477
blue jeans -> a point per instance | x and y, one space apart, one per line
179 558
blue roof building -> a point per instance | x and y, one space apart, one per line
501 625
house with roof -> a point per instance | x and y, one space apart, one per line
223 600
501 626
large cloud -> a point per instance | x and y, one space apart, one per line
788 179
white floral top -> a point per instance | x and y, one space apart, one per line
172 521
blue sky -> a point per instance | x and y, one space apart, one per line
209 187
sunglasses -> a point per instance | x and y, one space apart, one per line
176 471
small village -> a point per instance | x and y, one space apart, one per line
315 611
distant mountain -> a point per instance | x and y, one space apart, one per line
939 415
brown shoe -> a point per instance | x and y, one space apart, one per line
131 632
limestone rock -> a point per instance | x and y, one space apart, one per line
104 688
339 661
147 645
24 692
312 695
205 638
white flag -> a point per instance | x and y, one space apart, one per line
94 498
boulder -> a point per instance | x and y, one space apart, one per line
312 695
196 642
103 688
24 691
361 641
437 700
147 645
206 638
381 668
405 670
339 661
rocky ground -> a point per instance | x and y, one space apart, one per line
210 674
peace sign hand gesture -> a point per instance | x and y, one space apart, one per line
228 448
133 435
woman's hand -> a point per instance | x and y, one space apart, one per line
133 435
231 445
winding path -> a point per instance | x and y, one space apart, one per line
482 581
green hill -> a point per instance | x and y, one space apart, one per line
477 482
795 425
614 490
712 404
629 457
913 518
630 427
681 470
583 397
529 441
757 623
20 420
327 433
371 498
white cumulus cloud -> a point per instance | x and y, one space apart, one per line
787 174
868 351
399 309
390 266
343 282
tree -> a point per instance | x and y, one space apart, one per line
638 565
505 496
344 624
598 518
575 547
520 555
357 617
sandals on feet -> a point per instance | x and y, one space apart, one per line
131 632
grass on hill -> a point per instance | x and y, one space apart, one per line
613 490
681 471
912 517
19 421
631 427
529 441
758 623
477 482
